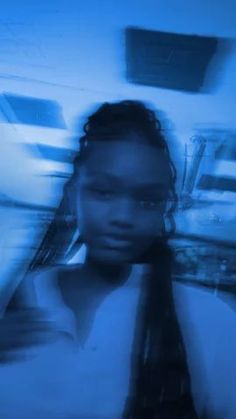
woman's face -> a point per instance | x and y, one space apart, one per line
121 196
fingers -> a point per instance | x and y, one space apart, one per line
23 329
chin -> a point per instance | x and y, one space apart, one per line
112 257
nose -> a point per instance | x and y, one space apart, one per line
123 214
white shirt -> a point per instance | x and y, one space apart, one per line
67 381
209 330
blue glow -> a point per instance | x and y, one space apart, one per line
59 60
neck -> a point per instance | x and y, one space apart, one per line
112 274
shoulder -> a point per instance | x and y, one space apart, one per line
49 284
35 280
206 314
52 274
44 285
203 305
208 328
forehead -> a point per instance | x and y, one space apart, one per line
131 163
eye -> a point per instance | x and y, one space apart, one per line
103 193
148 204
150 201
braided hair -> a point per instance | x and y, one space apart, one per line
109 122
160 383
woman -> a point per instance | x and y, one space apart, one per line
117 203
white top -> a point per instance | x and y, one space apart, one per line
209 330
67 381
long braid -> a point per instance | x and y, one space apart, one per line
160 385
58 236
167 371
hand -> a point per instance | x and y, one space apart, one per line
20 329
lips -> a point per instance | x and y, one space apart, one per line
117 242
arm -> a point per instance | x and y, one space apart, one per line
24 323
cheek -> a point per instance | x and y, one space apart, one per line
89 216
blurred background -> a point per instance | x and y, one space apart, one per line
59 59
